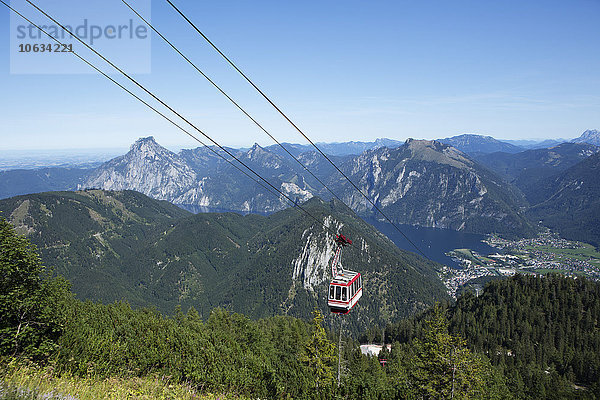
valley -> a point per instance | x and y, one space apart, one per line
149 280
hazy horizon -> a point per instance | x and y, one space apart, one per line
397 69
177 147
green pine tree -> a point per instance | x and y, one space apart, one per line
444 368
32 319
319 355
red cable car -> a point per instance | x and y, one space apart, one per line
346 286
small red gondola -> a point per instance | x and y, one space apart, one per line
346 286
344 292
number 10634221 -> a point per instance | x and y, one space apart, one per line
45 48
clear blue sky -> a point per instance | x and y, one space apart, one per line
343 70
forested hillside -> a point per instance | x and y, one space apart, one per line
45 329
124 245
85 236
572 205
544 333
25 181
524 338
530 170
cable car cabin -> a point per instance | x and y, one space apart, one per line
344 291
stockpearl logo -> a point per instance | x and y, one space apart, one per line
44 45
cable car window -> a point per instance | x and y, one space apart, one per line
344 294
338 292
331 292
352 290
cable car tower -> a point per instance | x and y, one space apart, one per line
345 287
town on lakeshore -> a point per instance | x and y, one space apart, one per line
544 254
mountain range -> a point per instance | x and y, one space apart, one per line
479 145
115 245
470 143
428 183
572 204
528 169
425 183
422 183
340 149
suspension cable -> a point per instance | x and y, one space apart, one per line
292 124
167 106
212 82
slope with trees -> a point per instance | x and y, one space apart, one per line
525 337
572 206
124 245
529 170
541 332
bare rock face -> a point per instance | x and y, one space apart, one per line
431 184
147 168
312 266
201 180
422 182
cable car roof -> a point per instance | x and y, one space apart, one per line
344 277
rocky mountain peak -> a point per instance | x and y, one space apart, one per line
264 157
435 151
147 168
429 183
422 144
256 149
147 145
591 136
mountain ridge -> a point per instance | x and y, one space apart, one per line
432 184
116 245
590 136
474 143
530 169
572 204
215 184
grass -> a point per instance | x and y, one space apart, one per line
467 254
584 254
31 383
587 254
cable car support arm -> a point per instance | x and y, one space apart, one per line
341 241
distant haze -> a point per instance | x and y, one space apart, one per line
396 69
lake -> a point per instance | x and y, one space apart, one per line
433 242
